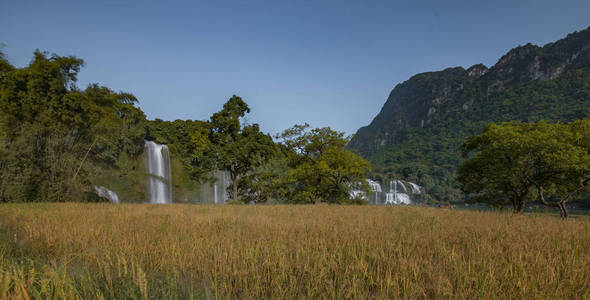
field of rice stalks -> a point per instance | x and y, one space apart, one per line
137 251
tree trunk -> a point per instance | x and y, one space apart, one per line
561 204
519 207
563 210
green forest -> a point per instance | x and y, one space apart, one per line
431 155
57 142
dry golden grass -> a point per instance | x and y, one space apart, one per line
250 252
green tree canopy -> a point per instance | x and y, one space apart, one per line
322 170
507 162
54 137
231 146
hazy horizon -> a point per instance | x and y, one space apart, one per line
328 64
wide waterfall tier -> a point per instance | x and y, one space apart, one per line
159 173
397 192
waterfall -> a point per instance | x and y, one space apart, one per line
103 192
214 190
415 188
220 185
376 189
399 194
159 173
395 183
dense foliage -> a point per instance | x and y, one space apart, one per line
231 146
306 166
57 142
512 163
419 131
54 138
321 169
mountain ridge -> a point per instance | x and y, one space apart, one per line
437 110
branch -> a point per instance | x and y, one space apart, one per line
542 197
583 187
83 159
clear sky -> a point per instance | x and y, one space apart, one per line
328 63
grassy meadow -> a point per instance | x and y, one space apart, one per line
196 251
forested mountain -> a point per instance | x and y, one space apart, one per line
419 130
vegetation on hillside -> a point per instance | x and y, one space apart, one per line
418 133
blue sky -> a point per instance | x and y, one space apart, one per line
328 63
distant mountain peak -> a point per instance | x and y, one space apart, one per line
477 70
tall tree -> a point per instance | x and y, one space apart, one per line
236 148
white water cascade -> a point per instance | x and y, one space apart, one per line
222 181
103 192
399 192
159 173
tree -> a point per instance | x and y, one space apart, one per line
55 138
322 170
267 181
568 166
507 162
236 148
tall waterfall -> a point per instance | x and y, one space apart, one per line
222 181
214 191
159 172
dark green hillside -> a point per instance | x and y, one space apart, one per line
417 134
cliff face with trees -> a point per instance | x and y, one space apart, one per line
419 131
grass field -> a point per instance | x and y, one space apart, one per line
250 252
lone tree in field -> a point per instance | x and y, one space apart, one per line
513 163
569 166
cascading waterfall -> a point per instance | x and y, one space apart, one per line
399 192
220 186
214 190
415 188
103 192
376 189
159 173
